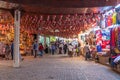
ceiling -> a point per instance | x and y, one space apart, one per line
65 3
52 8
57 6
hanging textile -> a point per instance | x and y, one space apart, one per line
118 18
114 18
116 35
112 38
109 21
118 38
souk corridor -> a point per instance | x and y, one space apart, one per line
57 67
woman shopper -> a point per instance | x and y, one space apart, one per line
41 49
87 51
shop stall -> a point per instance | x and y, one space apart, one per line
108 49
7 35
102 45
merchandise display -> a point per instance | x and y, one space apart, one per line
2 48
114 37
7 35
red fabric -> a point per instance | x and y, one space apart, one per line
40 47
113 38
107 42
103 44
109 21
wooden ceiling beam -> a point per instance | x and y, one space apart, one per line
65 3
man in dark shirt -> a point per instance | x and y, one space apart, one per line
12 49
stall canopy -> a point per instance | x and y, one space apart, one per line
64 18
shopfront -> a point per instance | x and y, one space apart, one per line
104 36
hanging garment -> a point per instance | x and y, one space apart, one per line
114 18
118 38
99 48
109 21
103 24
118 18
112 38
106 19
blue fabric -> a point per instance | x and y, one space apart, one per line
106 34
106 22
99 48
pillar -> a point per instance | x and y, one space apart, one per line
45 41
16 62
38 41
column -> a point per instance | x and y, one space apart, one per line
16 62
45 41
38 41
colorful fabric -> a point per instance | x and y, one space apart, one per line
99 48
114 18
118 18
118 38
117 59
106 24
109 21
112 38
103 24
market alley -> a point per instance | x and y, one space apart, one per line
57 67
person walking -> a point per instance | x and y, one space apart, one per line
35 49
46 49
12 50
41 49
87 51
75 50
60 48
65 48
78 49
53 49
70 50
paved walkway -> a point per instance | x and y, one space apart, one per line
56 67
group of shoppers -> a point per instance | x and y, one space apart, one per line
37 49
74 50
